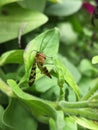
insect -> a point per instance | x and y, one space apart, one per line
40 59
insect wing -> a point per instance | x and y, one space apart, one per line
44 70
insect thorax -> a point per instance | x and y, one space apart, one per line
40 58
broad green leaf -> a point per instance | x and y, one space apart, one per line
75 72
65 8
33 4
89 124
52 94
95 60
65 75
67 33
4 2
46 43
3 125
41 83
59 124
70 124
14 56
18 19
52 124
87 69
41 109
14 116
90 89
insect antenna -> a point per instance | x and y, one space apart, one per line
42 41
40 49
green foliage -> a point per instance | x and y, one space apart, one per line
65 76
13 18
4 2
64 8
68 100
95 60
14 56
23 120
33 4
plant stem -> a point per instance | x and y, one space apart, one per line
81 108
5 88
81 112
81 104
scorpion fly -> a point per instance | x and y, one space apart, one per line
39 61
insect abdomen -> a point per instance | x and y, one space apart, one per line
44 70
32 75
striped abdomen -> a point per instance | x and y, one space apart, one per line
32 75
43 70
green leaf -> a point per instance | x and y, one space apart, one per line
87 69
14 56
67 33
65 8
52 94
65 74
46 43
89 83
3 125
70 123
59 124
93 125
4 2
91 88
95 60
18 19
33 4
41 83
41 109
75 72
14 117
52 124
